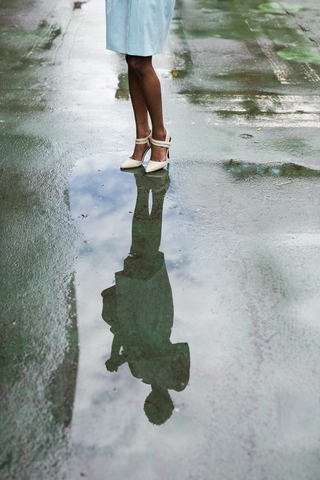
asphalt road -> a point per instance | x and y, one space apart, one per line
239 248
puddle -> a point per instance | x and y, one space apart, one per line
243 170
164 357
275 7
300 54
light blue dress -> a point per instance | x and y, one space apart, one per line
138 27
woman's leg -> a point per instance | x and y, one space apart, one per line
145 91
140 114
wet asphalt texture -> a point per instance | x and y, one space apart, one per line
209 319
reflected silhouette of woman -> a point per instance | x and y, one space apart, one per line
139 307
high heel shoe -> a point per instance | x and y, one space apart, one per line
131 162
152 165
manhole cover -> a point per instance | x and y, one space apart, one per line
246 135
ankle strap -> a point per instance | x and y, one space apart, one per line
162 143
142 141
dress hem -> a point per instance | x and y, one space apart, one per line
132 52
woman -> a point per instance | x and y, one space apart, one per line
139 29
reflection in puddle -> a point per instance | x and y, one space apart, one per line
139 307
243 170
276 7
122 92
300 54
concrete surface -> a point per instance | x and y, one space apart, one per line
240 239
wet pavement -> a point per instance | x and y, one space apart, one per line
208 322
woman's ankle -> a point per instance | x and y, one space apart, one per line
159 133
143 132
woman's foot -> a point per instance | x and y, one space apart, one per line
159 154
139 151
142 146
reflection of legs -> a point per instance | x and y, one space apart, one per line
145 91
155 222
146 229
139 221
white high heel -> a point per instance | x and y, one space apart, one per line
154 166
131 162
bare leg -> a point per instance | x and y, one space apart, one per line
147 98
140 114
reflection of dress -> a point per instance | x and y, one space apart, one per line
139 308
140 311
